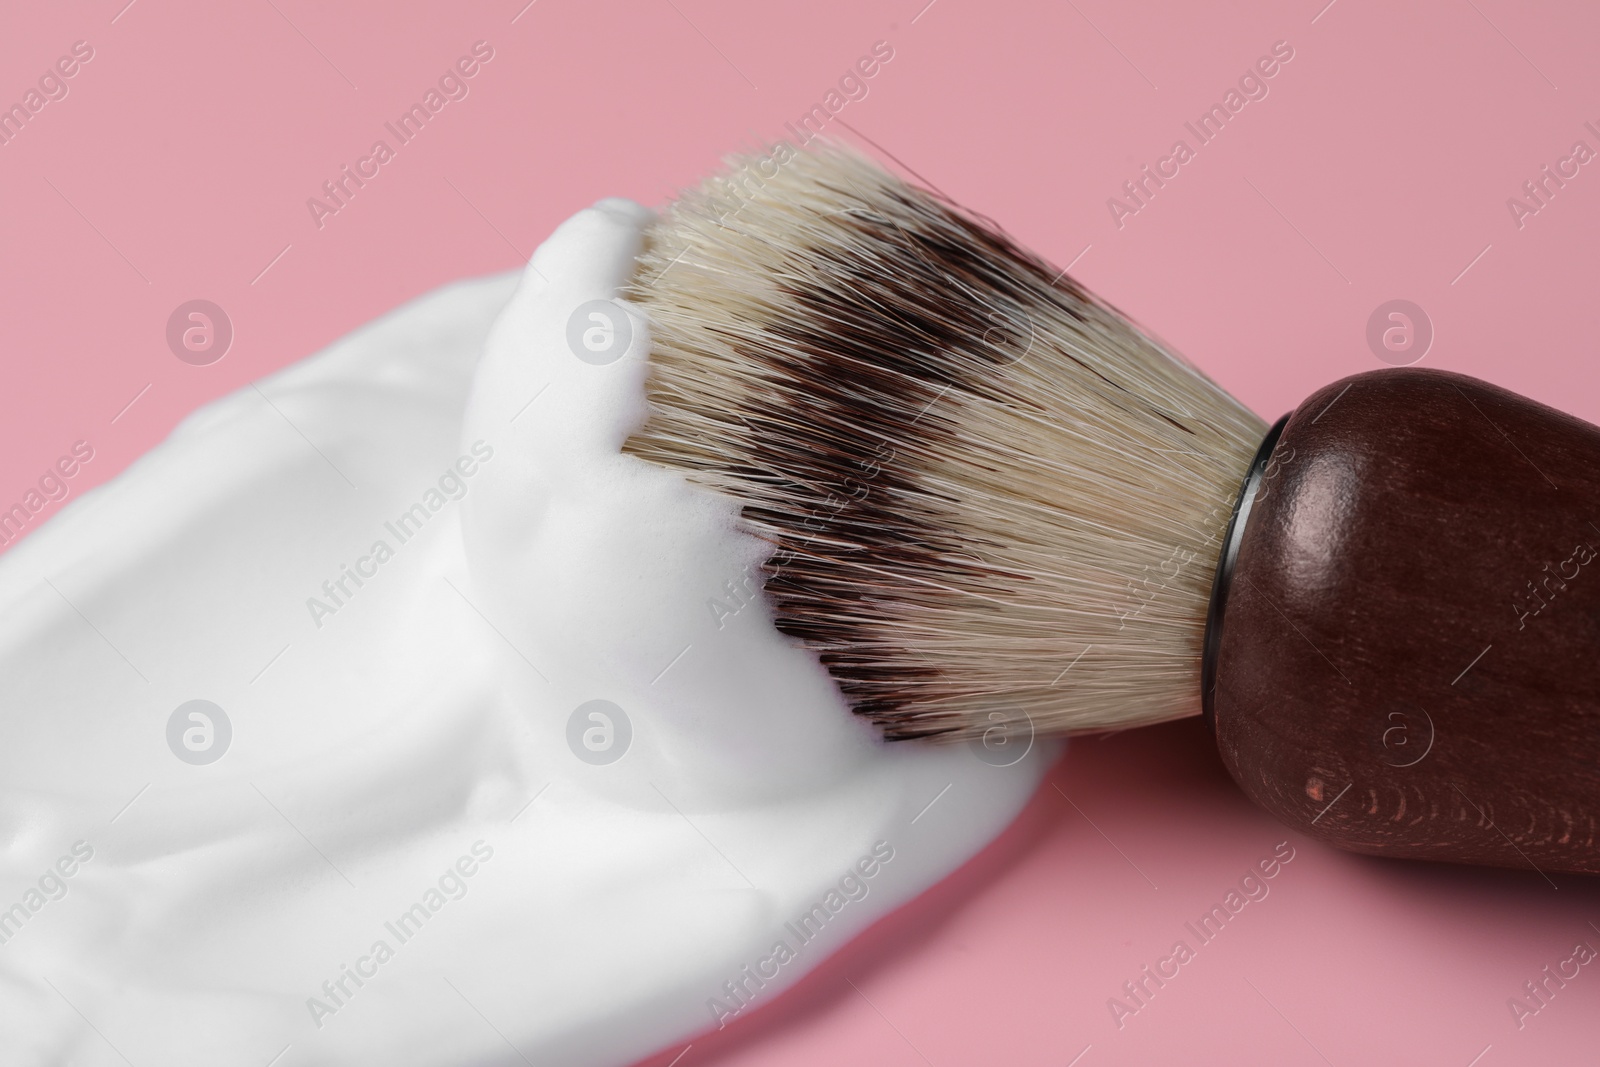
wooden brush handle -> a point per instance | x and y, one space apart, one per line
1407 658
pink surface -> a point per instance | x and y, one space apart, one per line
1378 166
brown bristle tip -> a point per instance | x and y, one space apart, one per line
988 493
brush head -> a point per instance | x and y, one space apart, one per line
986 491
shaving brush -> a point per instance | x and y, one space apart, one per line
990 496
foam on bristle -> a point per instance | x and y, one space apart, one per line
987 492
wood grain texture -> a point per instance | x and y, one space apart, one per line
1410 653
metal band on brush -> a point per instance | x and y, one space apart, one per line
1230 551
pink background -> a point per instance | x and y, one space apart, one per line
1378 167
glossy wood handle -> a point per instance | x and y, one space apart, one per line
1409 655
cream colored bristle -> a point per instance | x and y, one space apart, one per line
987 492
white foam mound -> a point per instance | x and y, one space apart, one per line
409 853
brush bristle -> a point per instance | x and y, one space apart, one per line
987 492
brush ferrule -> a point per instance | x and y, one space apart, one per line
1230 552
